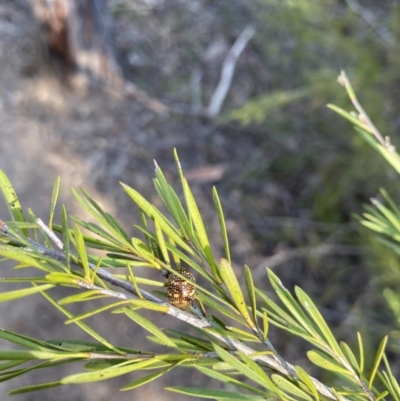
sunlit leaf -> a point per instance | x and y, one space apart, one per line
377 361
12 200
221 219
216 394
289 388
16 294
229 278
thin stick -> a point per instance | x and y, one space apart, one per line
228 68
50 234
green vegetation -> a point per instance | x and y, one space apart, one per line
232 325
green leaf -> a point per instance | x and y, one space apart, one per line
346 115
65 235
54 197
348 353
195 216
324 361
306 379
32 355
245 369
105 219
155 214
361 351
391 157
292 305
90 346
269 384
381 395
16 294
227 379
35 387
24 341
148 378
82 297
221 219
150 327
12 200
316 316
173 204
251 292
80 247
390 381
265 325
229 278
63 278
82 325
113 371
95 311
18 254
215 394
377 361
289 388
161 242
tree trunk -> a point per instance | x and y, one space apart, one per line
79 33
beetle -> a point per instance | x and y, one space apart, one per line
181 293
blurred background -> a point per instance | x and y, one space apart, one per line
94 90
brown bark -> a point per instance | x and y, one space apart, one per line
79 33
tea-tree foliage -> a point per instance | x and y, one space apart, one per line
231 318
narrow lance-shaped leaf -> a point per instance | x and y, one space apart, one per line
227 379
221 219
173 204
16 294
265 325
251 293
24 341
161 242
389 215
80 247
391 382
153 213
149 378
392 204
33 354
245 369
288 387
229 278
319 321
324 361
12 200
286 297
149 326
36 387
54 198
306 379
216 394
114 371
269 384
348 353
200 229
65 235
377 361
82 325
105 219
95 311
361 351
346 115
